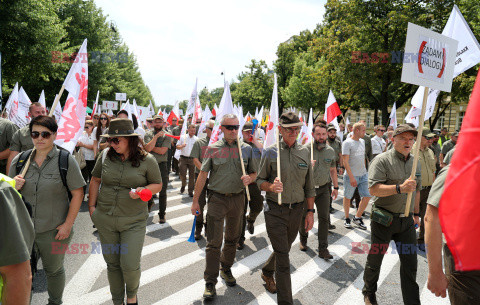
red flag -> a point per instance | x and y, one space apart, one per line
458 212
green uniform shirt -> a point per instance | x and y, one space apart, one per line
7 129
118 178
256 154
391 168
198 150
337 147
16 227
325 160
161 142
22 140
296 172
368 147
176 132
437 188
448 157
436 150
427 162
223 162
45 191
447 146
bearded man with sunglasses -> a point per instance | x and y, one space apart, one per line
283 220
226 201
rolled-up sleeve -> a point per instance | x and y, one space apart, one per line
376 173
309 184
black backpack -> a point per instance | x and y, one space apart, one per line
62 165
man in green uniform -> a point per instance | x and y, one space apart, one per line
427 162
16 242
334 142
324 172
176 132
198 153
443 136
447 146
435 147
21 140
448 157
256 198
463 286
157 144
7 129
389 182
283 220
226 201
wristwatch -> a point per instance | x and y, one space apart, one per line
311 210
336 188
416 214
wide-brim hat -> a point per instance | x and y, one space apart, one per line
290 119
120 128
404 128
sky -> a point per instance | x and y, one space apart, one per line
176 42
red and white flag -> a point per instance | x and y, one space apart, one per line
197 114
174 114
192 101
72 122
96 109
332 110
393 116
214 110
272 126
458 210
17 112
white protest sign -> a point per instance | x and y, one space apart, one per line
106 105
429 58
120 96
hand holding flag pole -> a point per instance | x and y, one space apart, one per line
243 165
278 163
191 239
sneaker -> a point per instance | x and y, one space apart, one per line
359 222
347 223
270 283
209 292
325 254
303 245
227 275
250 227
370 299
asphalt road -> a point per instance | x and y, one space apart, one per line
172 268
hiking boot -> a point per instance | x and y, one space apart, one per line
240 244
182 189
250 227
370 299
331 227
325 254
303 245
269 283
198 235
227 275
209 292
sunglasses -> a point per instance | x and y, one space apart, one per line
113 140
428 138
211 128
44 134
382 130
103 119
87 126
291 129
231 127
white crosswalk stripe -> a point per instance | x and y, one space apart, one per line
88 283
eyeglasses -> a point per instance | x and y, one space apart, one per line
291 129
44 134
382 130
231 127
113 140
103 119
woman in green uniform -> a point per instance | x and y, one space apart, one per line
53 214
117 212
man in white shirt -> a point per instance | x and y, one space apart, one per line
378 143
185 144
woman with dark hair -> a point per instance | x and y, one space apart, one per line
120 216
102 128
53 212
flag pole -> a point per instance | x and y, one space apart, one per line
57 98
243 165
417 149
278 163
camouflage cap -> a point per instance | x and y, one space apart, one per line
404 128
427 133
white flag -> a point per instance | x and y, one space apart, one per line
207 114
19 113
192 101
72 121
260 115
393 116
58 111
15 111
272 127
182 134
152 110
41 100
226 107
96 109
135 111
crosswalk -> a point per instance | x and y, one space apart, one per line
172 268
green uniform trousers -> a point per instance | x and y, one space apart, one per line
121 245
282 224
162 197
52 254
423 209
256 206
222 209
186 163
202 202
402 231
322 204
463 287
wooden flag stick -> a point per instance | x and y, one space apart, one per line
417 149
311 149
243 165
278 163
57 99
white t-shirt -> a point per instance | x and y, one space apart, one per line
88 140
356 151
186 139
378 145
260 134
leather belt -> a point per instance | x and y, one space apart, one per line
289 205
227 194
186 157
